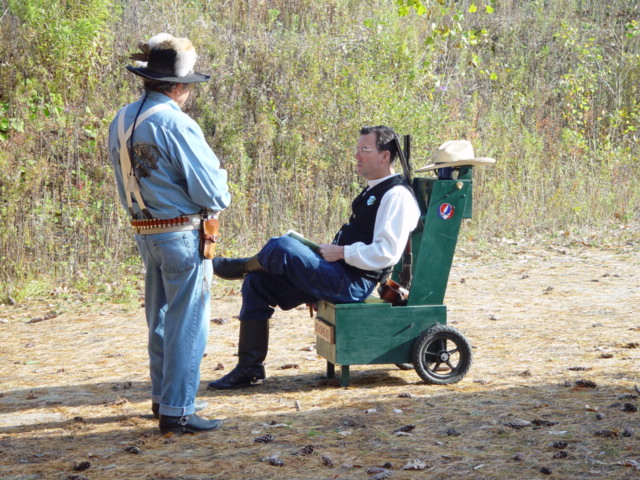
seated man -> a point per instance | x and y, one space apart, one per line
287 273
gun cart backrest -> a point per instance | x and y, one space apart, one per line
443 203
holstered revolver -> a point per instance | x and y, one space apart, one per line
209 228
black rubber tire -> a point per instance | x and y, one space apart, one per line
441 355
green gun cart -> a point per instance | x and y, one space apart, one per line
377 332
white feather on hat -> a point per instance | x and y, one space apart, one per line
167 58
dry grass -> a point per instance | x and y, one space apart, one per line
74 387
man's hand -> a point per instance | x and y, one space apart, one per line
330 252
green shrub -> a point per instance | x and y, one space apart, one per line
550 89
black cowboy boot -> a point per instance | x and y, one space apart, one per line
187 424
252 350
235 268
199 404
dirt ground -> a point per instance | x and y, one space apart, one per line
552 393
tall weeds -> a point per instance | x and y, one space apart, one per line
550 89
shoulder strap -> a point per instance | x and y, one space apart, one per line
131 186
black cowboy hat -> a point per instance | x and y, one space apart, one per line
167 59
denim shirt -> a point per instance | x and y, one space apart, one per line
177 171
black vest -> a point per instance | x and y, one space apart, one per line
364 209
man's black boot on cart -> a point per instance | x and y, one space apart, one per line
235 268
187 424
252 350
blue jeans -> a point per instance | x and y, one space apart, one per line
177 307
297 275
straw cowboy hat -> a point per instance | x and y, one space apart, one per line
456 153
168 59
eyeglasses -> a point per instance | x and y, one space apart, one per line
363 150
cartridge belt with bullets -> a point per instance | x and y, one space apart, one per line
182 223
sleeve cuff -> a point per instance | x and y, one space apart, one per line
348 254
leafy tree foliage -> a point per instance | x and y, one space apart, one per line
550 89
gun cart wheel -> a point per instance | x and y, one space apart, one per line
441 355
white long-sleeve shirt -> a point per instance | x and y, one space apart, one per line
396 218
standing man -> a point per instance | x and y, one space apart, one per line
170 181
286 273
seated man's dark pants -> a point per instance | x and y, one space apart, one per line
294 275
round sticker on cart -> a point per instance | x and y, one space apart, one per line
446 211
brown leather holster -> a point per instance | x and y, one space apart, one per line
393 293
209 228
